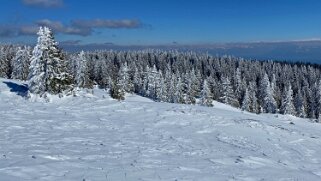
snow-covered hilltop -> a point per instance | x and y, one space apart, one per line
168 76
93 137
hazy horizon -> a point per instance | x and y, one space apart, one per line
255 29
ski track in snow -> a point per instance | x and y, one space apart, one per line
93 138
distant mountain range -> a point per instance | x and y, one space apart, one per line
303 51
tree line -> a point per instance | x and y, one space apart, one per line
168 76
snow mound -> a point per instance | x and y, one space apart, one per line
93 137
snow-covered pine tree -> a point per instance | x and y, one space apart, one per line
239 87
124 79
287 106
137 81
228 96
7 53
21 63
254 106
194 84
277 95
169 86
153 79
48 69
179 94
267 100
246 103
117 90
299 105
213 86
172 88
82 73
160 88
206 95
318 101
37 72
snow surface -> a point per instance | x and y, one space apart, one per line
92 137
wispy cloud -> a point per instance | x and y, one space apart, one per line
101 23
6 31
70 42
26 30
75 27
59 27
44 3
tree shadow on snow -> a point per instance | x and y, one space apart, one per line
20 90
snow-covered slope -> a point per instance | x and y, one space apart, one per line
92 137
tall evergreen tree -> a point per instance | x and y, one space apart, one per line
206 95
48 69
179 95
21 63
82 78
254 105
267 99
246 103
117 90
228 95
124 79
287 106
299 105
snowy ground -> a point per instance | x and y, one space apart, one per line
94 138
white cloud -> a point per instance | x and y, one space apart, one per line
44 3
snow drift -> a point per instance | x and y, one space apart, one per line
93 137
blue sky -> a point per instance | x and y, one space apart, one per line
151 22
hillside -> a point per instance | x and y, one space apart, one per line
93 137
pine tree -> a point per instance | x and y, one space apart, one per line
21 63
318 101
172 89
228 96
299 105
238 84
246 103
137 81
82 75
37 72
206 95
7 53
194 84
277 95
179 95
124 79
267 99
254 106
161 89
117 91
287 106
48 69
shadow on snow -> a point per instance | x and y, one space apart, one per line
20 90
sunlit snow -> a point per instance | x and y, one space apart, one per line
93 137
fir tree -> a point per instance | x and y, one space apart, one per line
228 96
21 63
206 95
287 102
117 90
268 102
179 95
124 79
246 103
82 75
48 69
299 105
254 106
